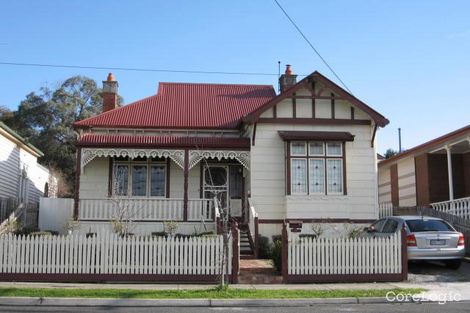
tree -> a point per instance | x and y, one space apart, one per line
389 153
46 120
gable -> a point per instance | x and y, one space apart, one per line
316 99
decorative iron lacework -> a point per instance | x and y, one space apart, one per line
88 154
197 155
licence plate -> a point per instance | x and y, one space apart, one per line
437 242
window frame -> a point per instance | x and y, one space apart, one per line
310 156
130 163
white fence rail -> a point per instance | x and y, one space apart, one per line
110 254
458 207
385 209
345 256
160 209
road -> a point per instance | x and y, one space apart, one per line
455 307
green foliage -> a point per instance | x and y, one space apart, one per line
265 248
276 254
46 118
389 153
219 292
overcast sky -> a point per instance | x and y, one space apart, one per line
409 60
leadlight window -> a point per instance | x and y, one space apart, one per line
318 170
139 178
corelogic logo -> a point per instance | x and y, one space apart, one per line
441 298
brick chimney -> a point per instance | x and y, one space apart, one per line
288 79
110 88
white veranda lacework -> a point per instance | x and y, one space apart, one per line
197 155
88 154
334 173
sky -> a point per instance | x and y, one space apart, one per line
409 60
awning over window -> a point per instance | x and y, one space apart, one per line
315 135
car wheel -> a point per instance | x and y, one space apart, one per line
453 264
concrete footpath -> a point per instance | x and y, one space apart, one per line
436 292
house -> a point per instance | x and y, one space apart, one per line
307 154
23 179
435 173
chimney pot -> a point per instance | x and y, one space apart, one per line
288 79
289 70
110 89
111 78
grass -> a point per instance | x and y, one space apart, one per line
213 293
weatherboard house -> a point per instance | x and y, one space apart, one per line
307 154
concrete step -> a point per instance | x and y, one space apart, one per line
259 279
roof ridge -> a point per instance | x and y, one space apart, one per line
214 84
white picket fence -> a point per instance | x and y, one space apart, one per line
330 256
385 209
110 254
458 207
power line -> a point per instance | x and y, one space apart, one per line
138 69
311 46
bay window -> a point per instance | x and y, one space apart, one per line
316 168
139 178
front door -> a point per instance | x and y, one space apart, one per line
216 183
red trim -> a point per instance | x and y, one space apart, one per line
142 141
294 106
352 113
344 278
77 183
312 121
235 254
285 254
288 169
256 237
288 135
168 165
185 185
110 177
345 188
254 134
332 106
404 255
316 220
95 278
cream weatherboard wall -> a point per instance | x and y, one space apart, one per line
406 182
385 186
21 175
9 168
268 181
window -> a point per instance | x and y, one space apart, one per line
316 168
139 178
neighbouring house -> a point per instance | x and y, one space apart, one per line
307 154
435 173
23 180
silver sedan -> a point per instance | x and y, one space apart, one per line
427 238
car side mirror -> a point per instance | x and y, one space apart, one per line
371 229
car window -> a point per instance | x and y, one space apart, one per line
390 226
378 225
422 225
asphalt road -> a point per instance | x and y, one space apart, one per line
454 307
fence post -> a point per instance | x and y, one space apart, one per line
404 254
285 254
235 253
256 237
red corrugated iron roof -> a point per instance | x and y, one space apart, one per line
121 140
187 105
